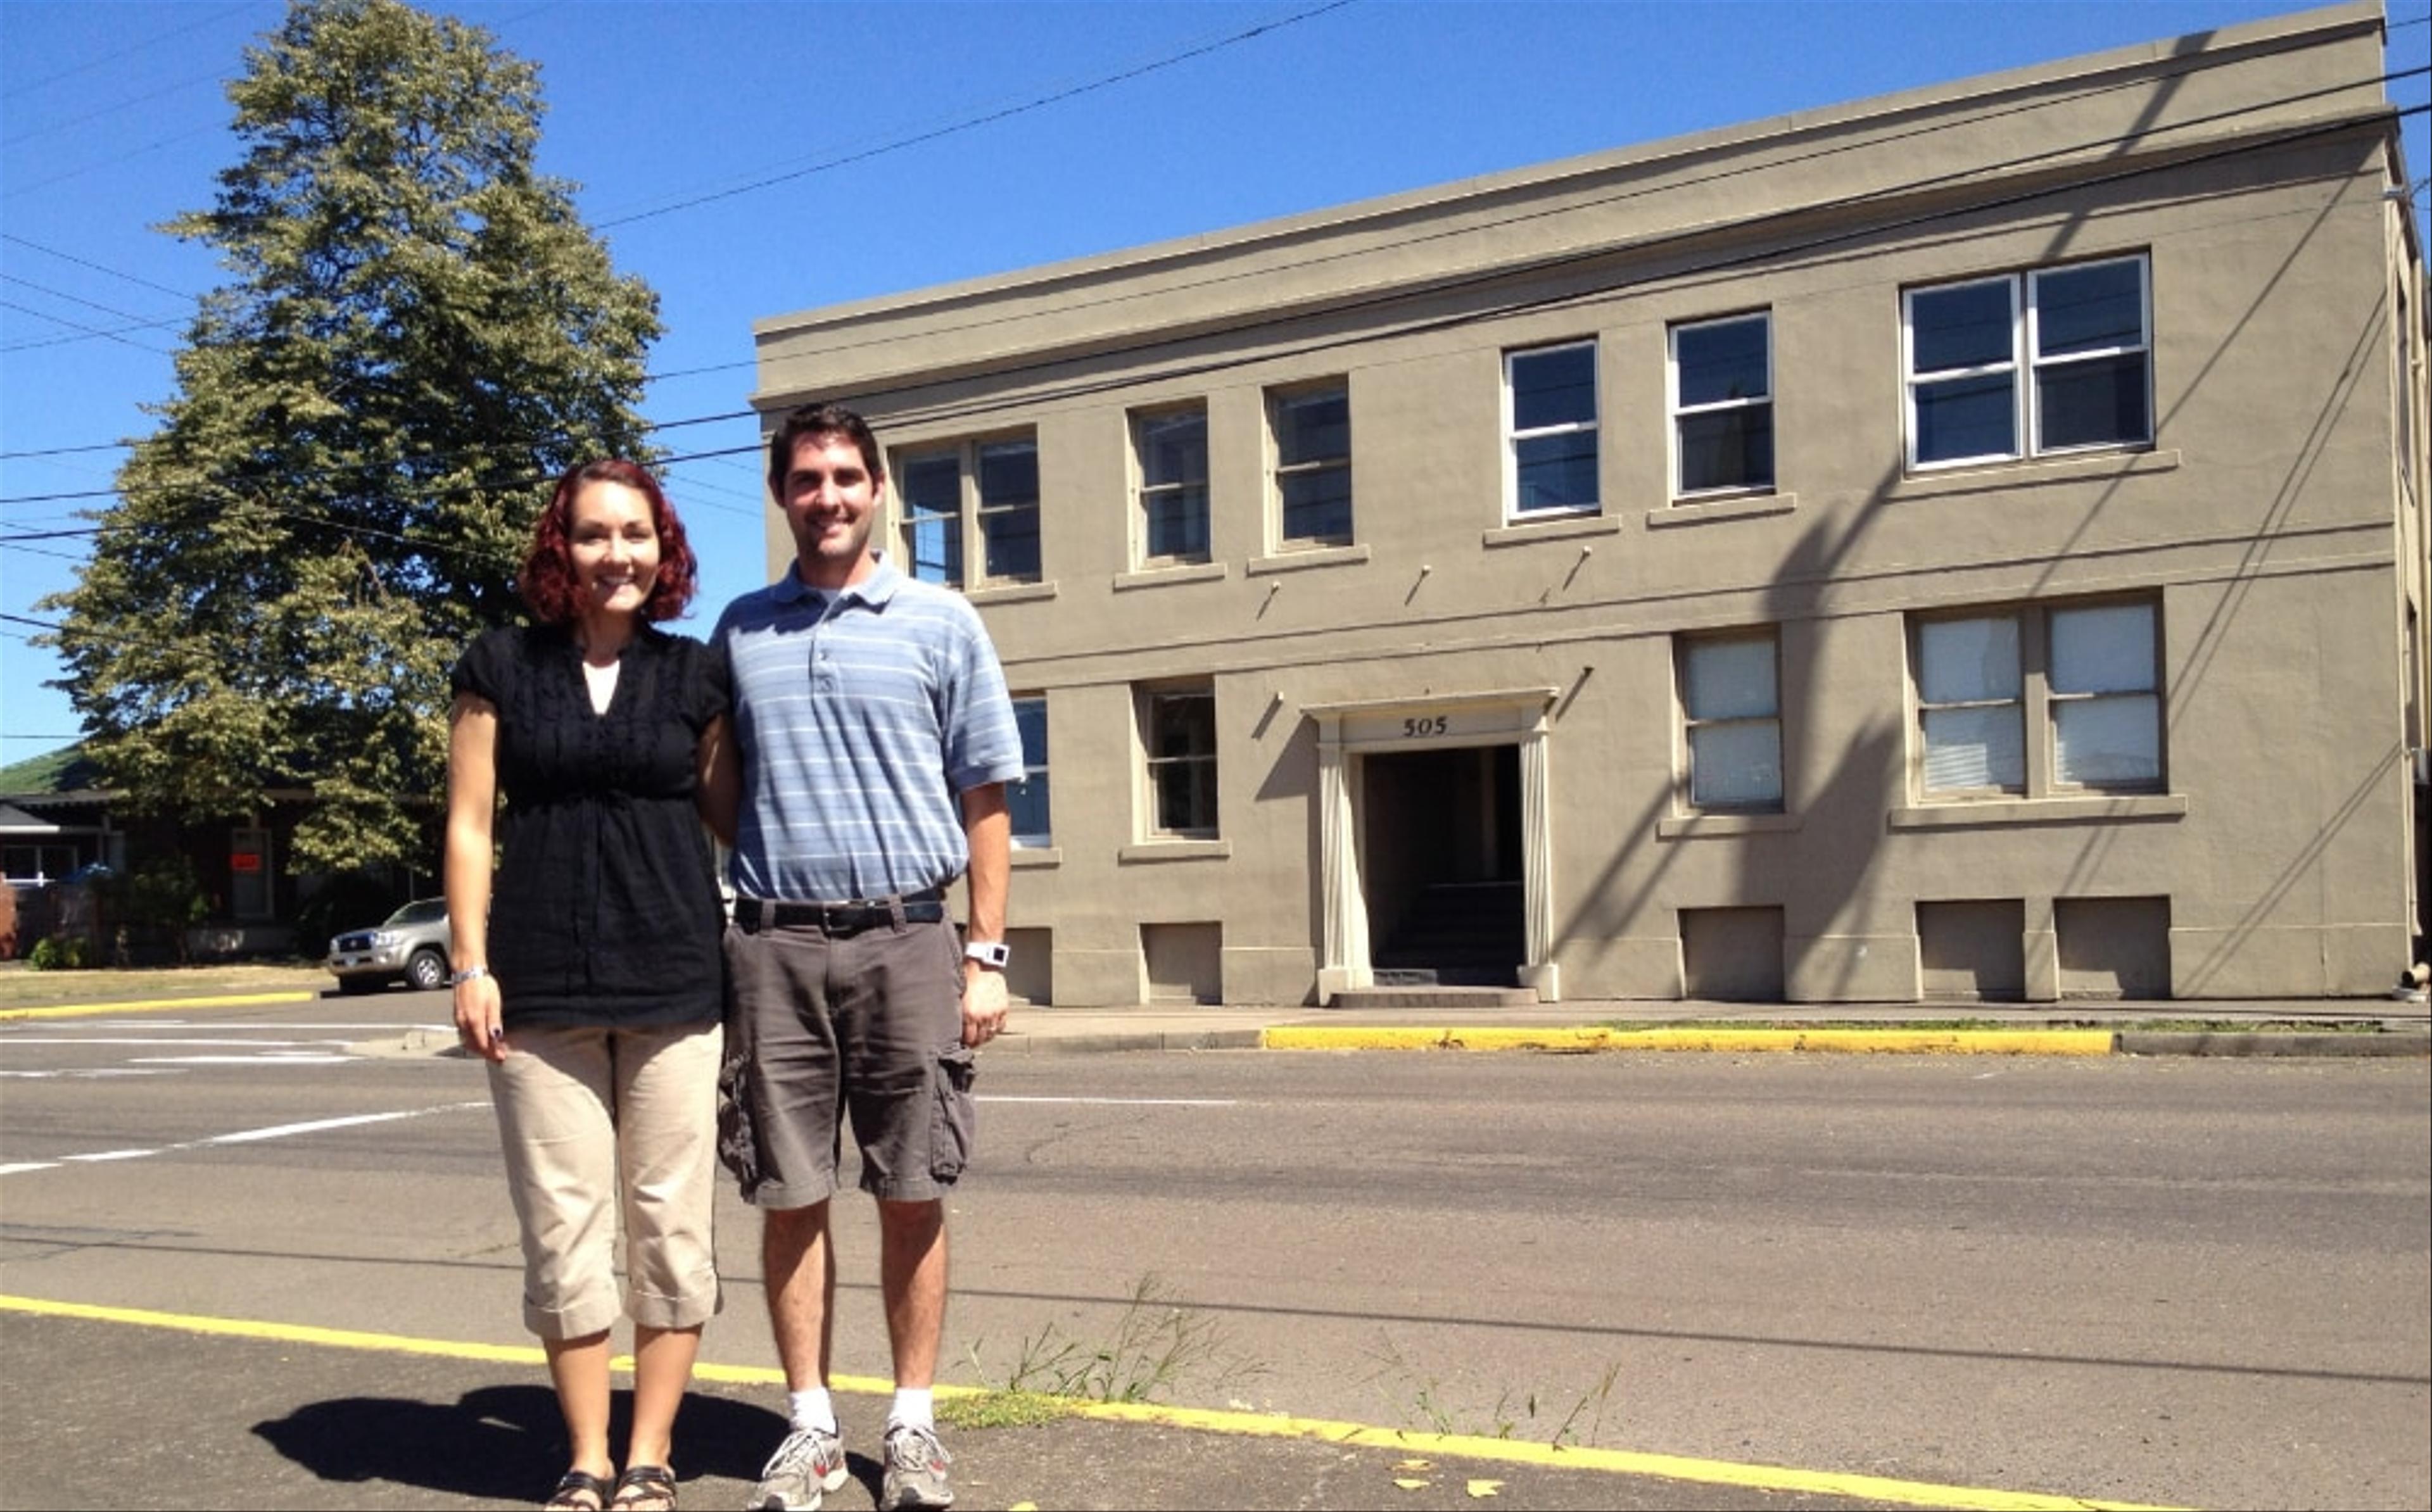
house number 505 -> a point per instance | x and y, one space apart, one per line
1432 725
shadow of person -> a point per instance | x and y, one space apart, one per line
504 1443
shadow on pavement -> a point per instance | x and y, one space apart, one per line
504 1443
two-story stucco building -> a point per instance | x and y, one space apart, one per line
1965 544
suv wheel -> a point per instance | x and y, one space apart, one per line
426 970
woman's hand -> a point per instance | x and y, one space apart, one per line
477 1018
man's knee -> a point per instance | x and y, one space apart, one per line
915 1220
794 1228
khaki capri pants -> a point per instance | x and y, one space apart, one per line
604 1130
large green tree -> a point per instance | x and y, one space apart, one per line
418 333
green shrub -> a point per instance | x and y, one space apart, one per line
58 952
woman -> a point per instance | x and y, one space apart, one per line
589 975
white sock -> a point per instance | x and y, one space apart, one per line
812 1408
914 1408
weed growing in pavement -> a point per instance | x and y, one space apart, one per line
1417 1397
1155 1343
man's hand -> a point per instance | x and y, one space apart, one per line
985 1005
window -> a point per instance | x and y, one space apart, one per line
2040 701
1312 440
1730 713
1722 405
1178 729
1027 798
988 487
2082 333
1173 453
1551 394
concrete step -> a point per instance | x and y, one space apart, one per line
1358 999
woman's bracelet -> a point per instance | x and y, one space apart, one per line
469 974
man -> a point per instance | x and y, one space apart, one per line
874 742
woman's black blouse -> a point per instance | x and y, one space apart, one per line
605 909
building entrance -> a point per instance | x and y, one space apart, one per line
1441 866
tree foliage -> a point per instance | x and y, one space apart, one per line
419 334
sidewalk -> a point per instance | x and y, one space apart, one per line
2358 1026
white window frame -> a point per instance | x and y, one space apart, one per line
2042 706
1682 412
1278 470
2025 364
1146 493
1513 435
1153 765
975 517
1691 723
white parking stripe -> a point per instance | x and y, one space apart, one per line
243 1136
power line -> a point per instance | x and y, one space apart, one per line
1042 102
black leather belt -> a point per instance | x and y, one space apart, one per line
757 914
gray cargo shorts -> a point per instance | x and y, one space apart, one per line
824 1025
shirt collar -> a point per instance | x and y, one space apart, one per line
874 590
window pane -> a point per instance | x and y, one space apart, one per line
1965 417
1011 540
1968 659
1729 680
1313 426
1557 472
1027 803
1725 360
2100 401
1173 449
1973 747
2090 309
932 484
1182 724
1727 448
935 544
1736 764
2114 742
1968 325
1317 505
2107 650
1553 388
1178 523
1030 720
1008 474
1186 795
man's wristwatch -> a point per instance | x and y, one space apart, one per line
989 953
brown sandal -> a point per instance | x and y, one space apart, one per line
572 1487
646 1489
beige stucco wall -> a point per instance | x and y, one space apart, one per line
2266 520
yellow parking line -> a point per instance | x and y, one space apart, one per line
1591 1038
1450 1446
81 1010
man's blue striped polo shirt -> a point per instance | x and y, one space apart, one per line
861 716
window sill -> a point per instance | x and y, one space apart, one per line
1010 593
1176 851
1969 813
1712 826
1164 577
1308 557
1028 856
1704 509
2025 472
1556 528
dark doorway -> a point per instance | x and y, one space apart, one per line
1439 863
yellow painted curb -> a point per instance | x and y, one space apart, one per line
1501 1451
1854 1041
81 1010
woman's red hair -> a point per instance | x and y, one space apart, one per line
546 581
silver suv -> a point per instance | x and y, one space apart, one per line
410 945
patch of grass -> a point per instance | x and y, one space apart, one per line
1005 1409
1155 1344
1416 1397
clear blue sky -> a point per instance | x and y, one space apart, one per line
916 143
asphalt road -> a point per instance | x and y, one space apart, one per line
2166 1281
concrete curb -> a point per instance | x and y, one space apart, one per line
1888 1040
